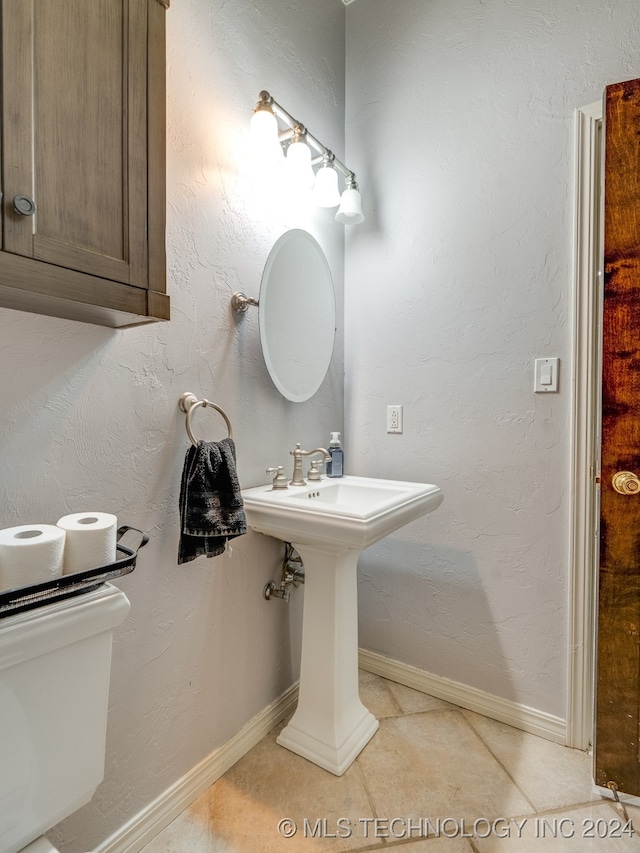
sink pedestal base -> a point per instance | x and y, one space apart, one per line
331 725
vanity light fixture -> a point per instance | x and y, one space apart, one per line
266 135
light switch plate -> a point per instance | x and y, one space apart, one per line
546 375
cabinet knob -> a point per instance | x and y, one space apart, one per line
24 205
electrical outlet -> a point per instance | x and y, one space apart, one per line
394 419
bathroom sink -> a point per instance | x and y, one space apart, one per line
329 523
349 513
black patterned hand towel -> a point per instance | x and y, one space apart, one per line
211 508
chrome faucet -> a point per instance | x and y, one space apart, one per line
298 453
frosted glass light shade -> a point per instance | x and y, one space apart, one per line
350 210
264 135
299 164
325 191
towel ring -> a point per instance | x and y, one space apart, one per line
189 403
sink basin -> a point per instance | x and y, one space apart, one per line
329 523
352 512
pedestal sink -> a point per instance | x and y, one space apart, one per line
329 523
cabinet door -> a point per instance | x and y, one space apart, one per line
75 134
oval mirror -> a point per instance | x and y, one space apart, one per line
297 315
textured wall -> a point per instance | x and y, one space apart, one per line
90 419
460 124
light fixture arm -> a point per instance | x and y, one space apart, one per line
266 101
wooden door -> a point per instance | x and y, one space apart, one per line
617 736
75 134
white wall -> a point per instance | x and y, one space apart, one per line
90 420
460 124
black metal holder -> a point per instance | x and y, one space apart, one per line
22 598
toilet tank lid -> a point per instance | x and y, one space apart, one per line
37 632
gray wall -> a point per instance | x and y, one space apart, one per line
460 122
90 419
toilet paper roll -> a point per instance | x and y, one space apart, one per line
30 553
90 540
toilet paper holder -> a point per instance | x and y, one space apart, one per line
22 598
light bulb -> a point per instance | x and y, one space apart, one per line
299 164
264 135
325 191
350 210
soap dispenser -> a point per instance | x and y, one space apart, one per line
335 468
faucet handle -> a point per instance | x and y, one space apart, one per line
279 481
314 474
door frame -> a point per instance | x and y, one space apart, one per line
585 427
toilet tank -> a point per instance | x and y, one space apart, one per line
54 686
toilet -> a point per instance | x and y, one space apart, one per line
55 664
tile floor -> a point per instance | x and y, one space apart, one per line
434 779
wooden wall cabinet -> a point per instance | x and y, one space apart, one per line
83 160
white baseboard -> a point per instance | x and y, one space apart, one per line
143 827
504 710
